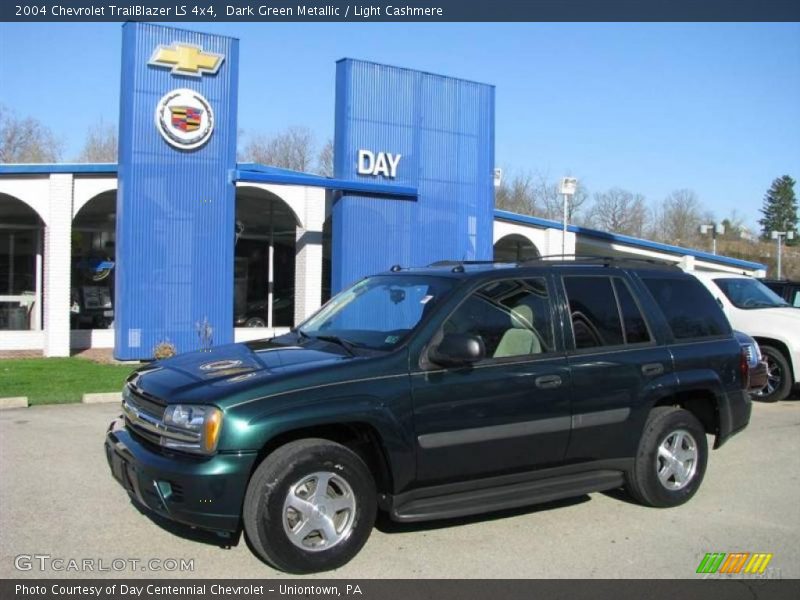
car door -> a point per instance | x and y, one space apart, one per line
615 364
508 412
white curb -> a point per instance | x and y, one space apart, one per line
104 398
16 402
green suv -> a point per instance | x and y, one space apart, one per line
429 393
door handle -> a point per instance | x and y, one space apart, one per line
547 382
652 369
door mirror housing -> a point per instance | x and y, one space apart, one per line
458 350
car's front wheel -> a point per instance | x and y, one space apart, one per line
671 459
310 506
779 380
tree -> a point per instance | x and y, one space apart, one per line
290 149
325 160
26 140
780 208
619 211
515 195
734 226
535 195
100 144
678 219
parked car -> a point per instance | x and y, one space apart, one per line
256 312
788 290
438 392
756 310
758 376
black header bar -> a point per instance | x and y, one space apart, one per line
435 11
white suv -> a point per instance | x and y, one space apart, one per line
756 310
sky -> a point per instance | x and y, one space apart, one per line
648 107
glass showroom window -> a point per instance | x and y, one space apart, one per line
20 266
264 260
514 248
93 262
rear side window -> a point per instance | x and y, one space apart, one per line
690 309
633 323
593 311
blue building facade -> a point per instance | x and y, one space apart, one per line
175 201
415 129
414 159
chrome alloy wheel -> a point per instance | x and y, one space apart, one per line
676 462
774 377
319 511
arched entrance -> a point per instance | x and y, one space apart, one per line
264 260
21 254
515 248
93 263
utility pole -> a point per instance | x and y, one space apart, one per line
569 185
778 237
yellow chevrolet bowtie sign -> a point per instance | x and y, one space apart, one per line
186 59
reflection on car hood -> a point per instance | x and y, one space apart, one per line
203 377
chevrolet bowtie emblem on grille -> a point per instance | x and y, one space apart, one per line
186 59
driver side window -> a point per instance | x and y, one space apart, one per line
511 317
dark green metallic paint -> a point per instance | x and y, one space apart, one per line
271 388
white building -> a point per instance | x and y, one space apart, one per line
57 258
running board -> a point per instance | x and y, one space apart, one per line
490 499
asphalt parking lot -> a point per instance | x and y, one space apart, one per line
58 498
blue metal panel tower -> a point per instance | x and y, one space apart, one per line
443 130
176 198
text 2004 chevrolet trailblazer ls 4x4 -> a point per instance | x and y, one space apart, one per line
438 392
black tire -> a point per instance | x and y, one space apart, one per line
644 483
776 363
277 475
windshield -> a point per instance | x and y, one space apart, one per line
377 312
749 293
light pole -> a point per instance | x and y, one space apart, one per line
568 187
715 229
778 236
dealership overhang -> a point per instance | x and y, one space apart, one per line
180 244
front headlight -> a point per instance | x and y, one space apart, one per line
192 428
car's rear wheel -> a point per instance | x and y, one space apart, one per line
310 506
671 460
779 380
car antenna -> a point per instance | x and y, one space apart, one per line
459 268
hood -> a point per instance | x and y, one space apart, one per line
779 323
203 377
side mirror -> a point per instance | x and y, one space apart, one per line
457 350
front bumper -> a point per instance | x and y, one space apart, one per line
204 492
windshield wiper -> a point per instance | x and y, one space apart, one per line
347 345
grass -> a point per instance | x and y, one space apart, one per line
58 380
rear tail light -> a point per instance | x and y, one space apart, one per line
744 368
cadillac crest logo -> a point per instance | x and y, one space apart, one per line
184 118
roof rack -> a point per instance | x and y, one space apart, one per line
455 263
606 260
565 259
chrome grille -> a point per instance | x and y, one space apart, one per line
149 405
145 418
